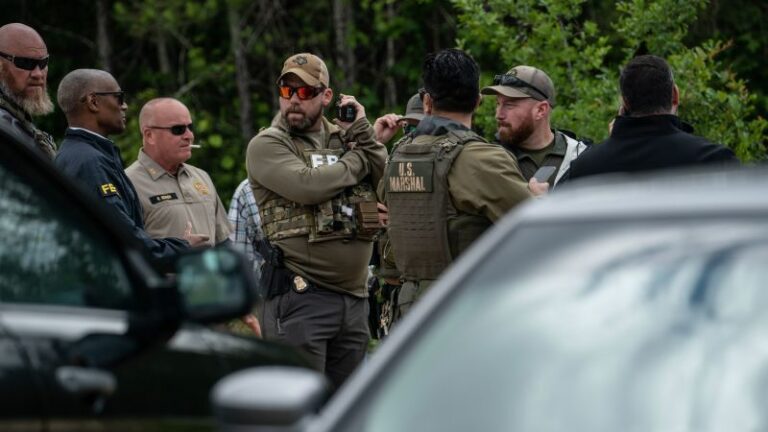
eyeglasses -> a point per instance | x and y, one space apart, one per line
177 130
303 92
513 81
408 128
26 63
119 95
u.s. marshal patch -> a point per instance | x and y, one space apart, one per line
410 176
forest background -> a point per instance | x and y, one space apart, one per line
221 58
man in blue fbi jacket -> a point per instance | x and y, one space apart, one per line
95 108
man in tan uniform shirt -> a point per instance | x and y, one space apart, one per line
306 173
176 197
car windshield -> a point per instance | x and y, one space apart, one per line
647 326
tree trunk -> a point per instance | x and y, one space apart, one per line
242 74
390 96
343 20
161 40
103 42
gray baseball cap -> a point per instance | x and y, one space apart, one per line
414 110
523 82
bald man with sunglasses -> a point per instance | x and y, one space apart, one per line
313 183
95 107
23 85
173 193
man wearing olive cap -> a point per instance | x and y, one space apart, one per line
312 181
525 97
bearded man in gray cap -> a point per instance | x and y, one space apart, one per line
525 97
312 181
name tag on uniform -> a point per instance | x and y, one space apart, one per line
163 197
410 177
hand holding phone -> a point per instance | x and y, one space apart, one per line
544 173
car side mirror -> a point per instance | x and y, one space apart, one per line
214 285
269 399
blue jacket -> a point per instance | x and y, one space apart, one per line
95 162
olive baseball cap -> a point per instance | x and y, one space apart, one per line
414 110
308 67
523 82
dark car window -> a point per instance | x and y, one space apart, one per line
48 255
651 326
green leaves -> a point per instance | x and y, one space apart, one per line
583 57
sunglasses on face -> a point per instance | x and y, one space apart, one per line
303 92
177 130
26 63
119 95
513 81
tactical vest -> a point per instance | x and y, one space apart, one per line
350 215
427 232
41 139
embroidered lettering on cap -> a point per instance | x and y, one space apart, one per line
300 60
108 189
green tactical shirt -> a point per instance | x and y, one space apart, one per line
551 155
276 169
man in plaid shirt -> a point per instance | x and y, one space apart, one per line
246 223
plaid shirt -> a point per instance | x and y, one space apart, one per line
244 216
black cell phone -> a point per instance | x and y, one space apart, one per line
544 173
347 113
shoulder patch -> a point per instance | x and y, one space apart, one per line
201 188
163 197
108 189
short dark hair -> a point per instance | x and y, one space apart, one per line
646 84
452 79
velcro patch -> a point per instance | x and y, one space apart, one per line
163 197
410 177
108 189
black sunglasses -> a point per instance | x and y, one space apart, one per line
178 129
26 63
513 81
119 95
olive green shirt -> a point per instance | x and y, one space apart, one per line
551 155
277 169
169 201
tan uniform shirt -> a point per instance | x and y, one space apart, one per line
170 201
276 169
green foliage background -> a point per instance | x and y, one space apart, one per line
183 48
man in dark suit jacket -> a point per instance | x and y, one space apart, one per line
647 135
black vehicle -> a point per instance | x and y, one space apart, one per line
91 336
612 306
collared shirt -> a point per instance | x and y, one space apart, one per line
551 155
95 162
170 201
246 224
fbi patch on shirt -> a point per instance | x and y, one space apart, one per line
108 189
163 197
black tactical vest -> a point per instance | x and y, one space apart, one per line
36 137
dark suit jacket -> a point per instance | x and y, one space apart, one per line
649 143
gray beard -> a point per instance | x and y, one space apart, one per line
34 106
